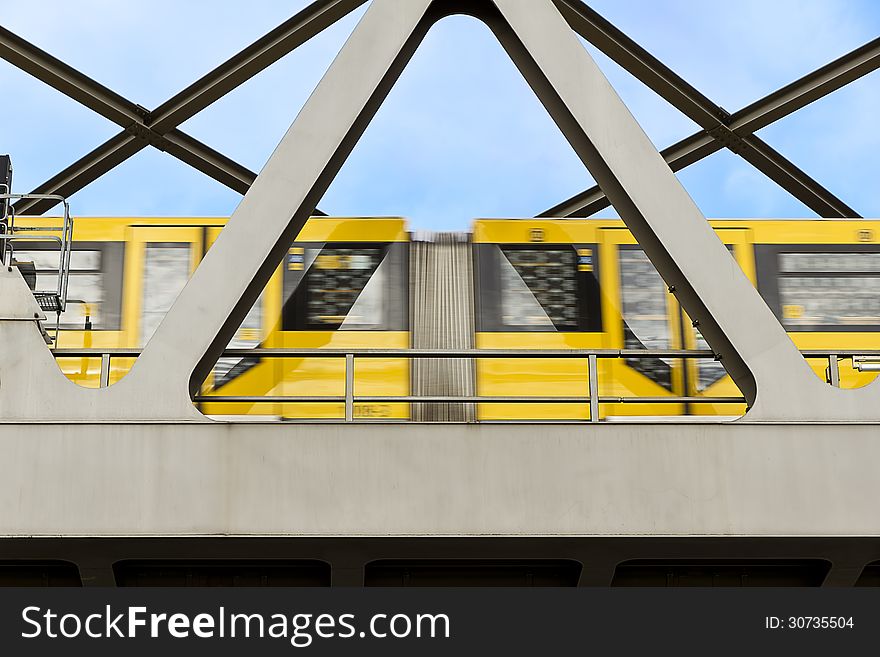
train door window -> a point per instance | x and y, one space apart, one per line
94 292
644 312
344 287
822 290
166 271
551 288
539 288
338 279
365 312
470 572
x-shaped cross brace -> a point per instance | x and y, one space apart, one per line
158 128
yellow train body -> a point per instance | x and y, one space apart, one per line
612 250
538 284
157 256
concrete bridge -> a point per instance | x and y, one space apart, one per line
134 471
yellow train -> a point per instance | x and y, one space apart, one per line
359 283
562 284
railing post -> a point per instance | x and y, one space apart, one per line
594 387
105 370
833 371
349 387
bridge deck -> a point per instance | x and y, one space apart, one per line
171 479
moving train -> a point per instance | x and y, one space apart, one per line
369 283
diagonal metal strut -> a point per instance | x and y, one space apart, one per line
158 128
720 128
136 135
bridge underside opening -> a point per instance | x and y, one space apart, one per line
423 561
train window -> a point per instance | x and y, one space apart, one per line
228 573
822 263
166 271
39 573
821 290
643 308
469 572
830 299
344 287
726 573
551 288
337 283
539 288
94 292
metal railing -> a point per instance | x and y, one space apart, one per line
592 356
54 300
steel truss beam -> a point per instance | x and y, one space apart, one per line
158 128
135 120
720 128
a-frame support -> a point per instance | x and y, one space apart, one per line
742 330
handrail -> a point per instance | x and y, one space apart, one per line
256 399
275 352
591 355
65 243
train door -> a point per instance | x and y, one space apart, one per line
537 288
707 377
638 313
160 261
349 293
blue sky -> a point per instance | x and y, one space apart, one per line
461 135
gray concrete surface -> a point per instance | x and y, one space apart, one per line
440 480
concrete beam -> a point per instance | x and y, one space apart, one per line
264 479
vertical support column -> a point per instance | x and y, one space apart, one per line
594 387
349 387
105 370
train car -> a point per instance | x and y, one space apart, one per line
822 280
570 284
537 287
534 284
560 284
342 285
